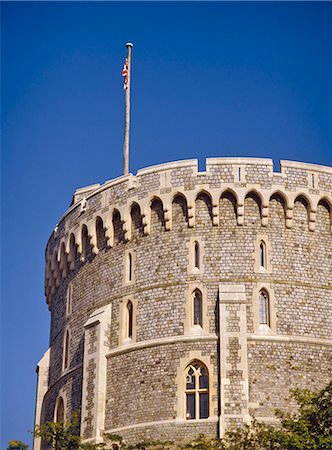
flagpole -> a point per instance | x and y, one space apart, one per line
129 46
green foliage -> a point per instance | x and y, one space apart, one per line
204 443
17 445
310 428
64 435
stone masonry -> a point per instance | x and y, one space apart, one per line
124 265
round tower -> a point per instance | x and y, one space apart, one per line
186 302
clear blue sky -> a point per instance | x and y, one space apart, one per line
209 79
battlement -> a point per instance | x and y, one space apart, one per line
239 177
175 269
295 173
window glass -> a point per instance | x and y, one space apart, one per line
198 308
197 391
263 309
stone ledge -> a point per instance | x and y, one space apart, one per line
212 419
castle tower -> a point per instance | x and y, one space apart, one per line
186 302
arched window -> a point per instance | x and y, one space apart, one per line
262 254
85 243
66 350
129 319
196 255
264 308
130 267
198 316
69 299
197 391
59 410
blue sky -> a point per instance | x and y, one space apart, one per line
208 79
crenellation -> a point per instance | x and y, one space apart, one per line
259 321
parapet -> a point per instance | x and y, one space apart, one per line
99 204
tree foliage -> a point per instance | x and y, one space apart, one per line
310 428
17 445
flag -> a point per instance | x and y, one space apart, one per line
125 74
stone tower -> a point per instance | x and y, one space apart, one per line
185 302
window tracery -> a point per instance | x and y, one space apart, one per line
197 391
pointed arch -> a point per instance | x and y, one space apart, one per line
130 319
117 227
262 254
197 390
136 221
72 255
301 212
100 233
277 205
63 259
157 215
59 410
324 216
179 211
264 308
66 349
228 208
252 209
203 209
197 308
85 242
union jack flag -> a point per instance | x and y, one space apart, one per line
125 74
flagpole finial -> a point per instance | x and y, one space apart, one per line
129 44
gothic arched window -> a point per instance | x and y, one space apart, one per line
197 391
198 313
59 410
196 255
264 308
262 255
129 319
66 350
130 267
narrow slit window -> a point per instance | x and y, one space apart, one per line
69 299
239 174
66 355
130 267
262 254
198 319
197 391
130 319
197 255
313 181
264 313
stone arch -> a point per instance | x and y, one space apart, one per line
324 216
72 251
301 212
278 207
228 208
59 410
195 355
118 232
203 209
157 218
100 233
136 222
278 193
179 211
252 209
85 240
62 258
55 269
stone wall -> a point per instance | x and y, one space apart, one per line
156 216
